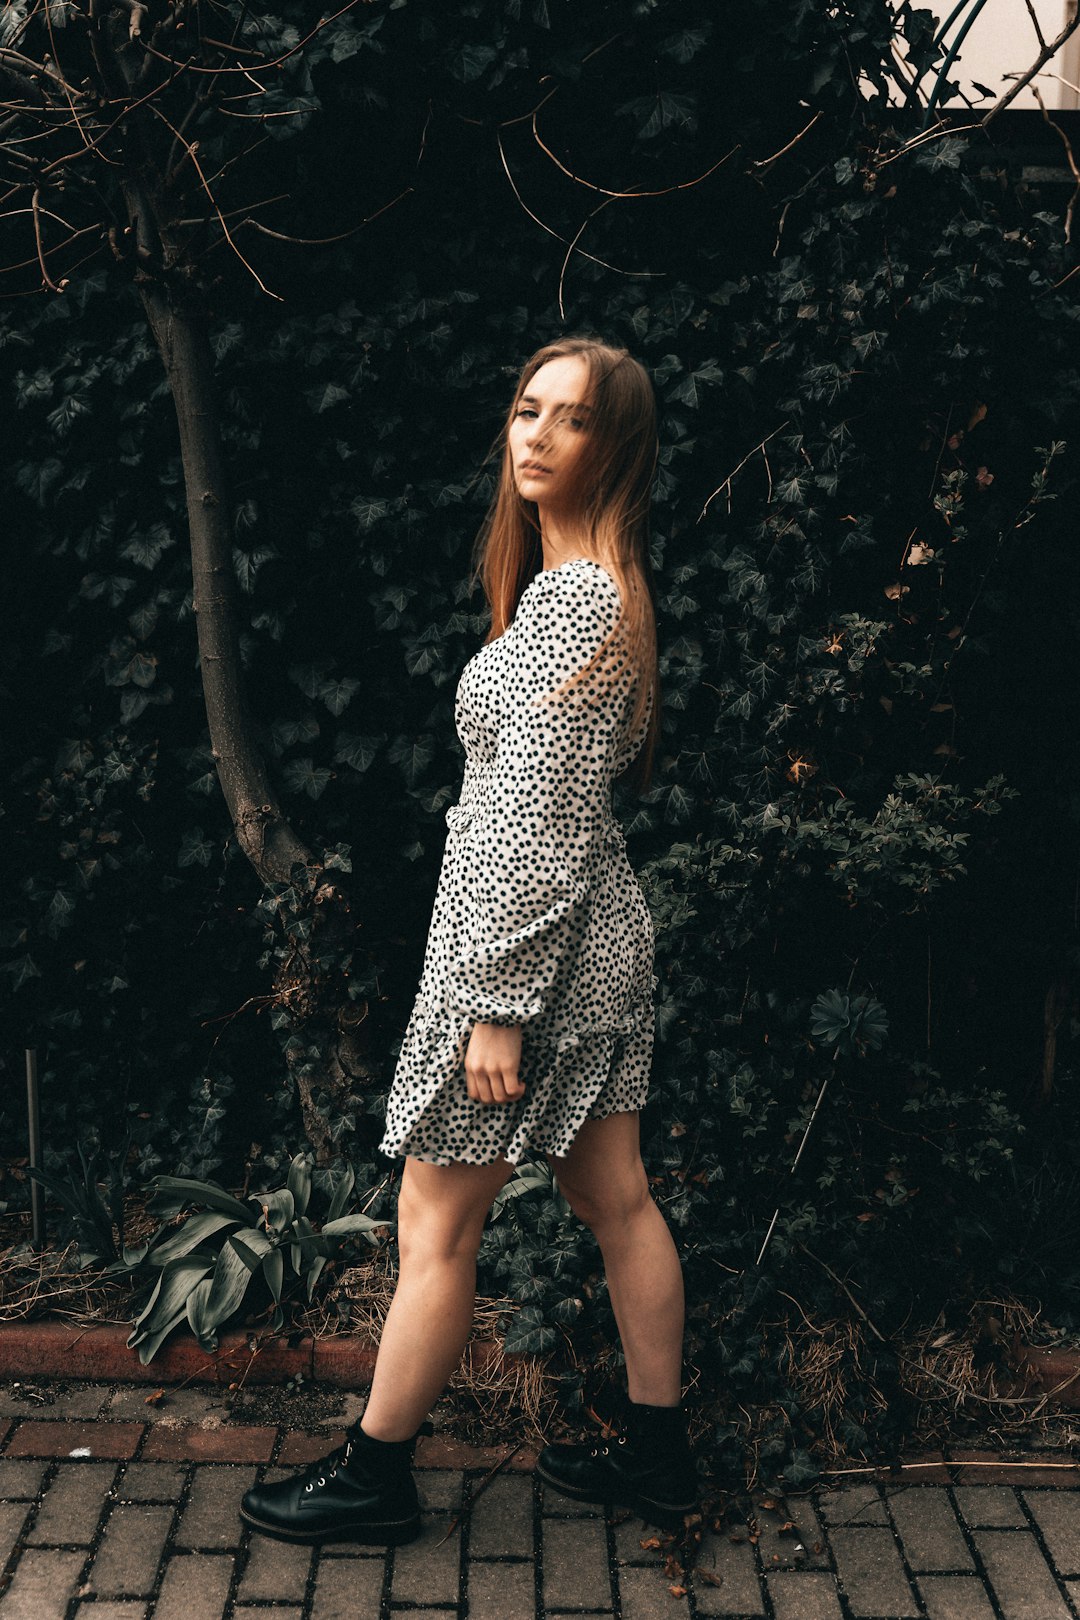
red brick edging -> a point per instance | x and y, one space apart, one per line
53 1349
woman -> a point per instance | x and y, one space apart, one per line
533 1024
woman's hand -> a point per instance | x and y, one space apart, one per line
492 1059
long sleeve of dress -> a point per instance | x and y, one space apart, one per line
535 848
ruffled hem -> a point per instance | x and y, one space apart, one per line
593 1071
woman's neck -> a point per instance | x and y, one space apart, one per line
561 539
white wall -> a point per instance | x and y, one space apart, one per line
1001 40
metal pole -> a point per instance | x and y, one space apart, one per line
33 1113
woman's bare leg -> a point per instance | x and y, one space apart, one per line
441 1215
604 1180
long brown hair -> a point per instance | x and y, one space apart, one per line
617 476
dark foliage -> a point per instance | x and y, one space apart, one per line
865 353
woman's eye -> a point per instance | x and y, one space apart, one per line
526 411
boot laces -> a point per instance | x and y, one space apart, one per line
604 1450
326 1467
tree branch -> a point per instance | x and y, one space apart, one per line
1044 56
191 148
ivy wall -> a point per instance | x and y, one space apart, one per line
860 846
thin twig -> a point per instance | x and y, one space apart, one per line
1035 22
558 237
277 61
727 481
606 191
570 250
483 1485
318 241
35 208
910 1468
1069 154
763 165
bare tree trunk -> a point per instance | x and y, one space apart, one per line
325 1049
262 830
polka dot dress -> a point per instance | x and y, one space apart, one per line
538 918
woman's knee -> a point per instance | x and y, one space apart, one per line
604 1204
441 1218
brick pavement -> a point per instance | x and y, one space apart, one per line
111 1512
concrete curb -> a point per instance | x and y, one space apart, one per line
56 1349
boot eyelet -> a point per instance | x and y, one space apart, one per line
309 1487
622 1440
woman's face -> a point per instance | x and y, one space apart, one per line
549 433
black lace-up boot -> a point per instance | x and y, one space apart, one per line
364 1491
646 1465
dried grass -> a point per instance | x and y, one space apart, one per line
48 1284
493 1397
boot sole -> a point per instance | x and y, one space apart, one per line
668 1515
385 1533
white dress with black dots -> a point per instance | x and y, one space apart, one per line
538 918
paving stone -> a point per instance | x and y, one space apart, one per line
188 1440
811 1596
733 1564
782 1551
500 1592
177 1405
870 1570
126 1562
500 1520
853 1505
348 1588
354 1550
1057 1513
275 1569
995 1470
575 1564
13 1516
928 1528
41 1439
428 1570
151 1482
72 1506
990 1507
440 1489
564 1507
954 1597
195 1587
20 1481
645 1593
630 1532
300 1448
268 1611
1020 1576
211 1518
42 1586
124 1609
16 1400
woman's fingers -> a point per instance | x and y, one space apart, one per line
493 1088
